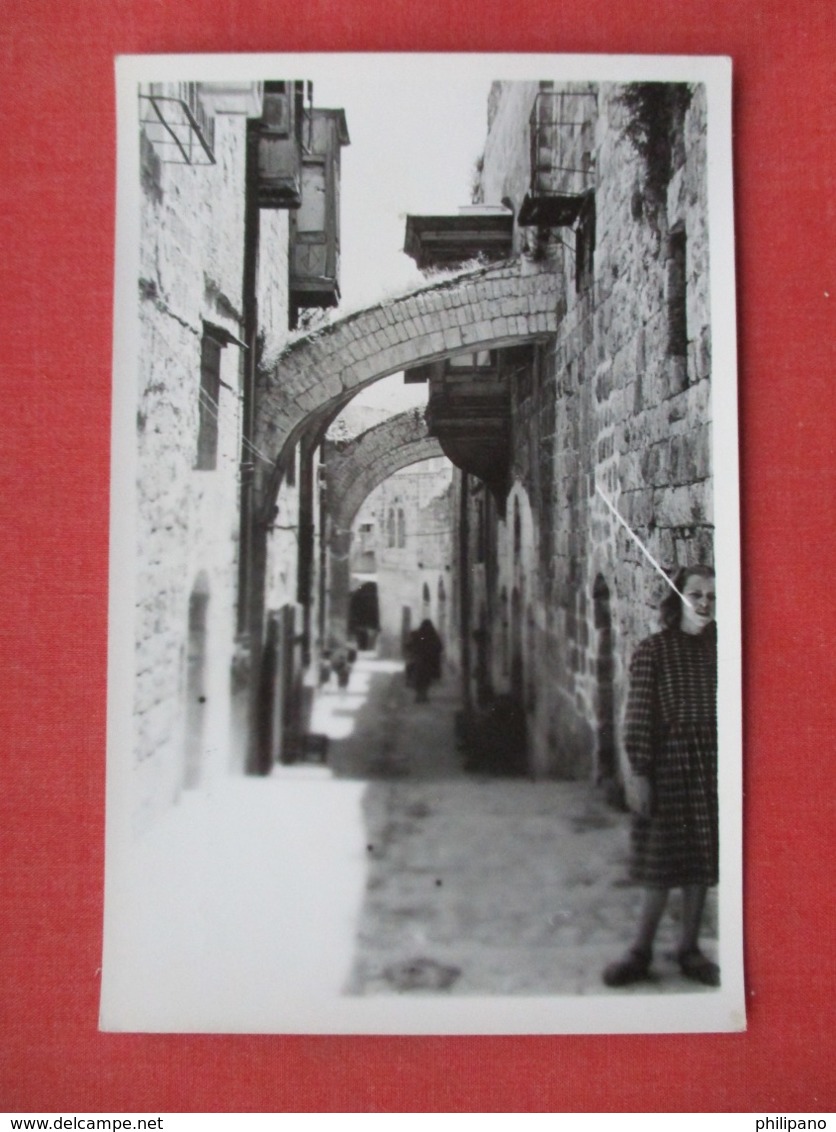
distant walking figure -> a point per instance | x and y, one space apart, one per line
341 662
671 741
424 650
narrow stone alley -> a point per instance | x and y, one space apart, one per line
274 904
475 884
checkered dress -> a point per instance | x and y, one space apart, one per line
671 738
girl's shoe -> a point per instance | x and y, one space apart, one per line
634 967
694 965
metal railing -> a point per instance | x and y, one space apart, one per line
178 126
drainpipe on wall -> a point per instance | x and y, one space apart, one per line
306 543
250 302
464 590
252 536
322 610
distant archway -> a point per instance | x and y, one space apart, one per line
352 470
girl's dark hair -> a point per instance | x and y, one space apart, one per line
671 606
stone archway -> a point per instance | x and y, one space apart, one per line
488 308
352 470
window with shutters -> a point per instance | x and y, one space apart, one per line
208 405
210 379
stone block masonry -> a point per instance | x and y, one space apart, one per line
623 401
191 275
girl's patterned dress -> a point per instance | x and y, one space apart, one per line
671 738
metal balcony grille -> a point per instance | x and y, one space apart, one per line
562 171
177 125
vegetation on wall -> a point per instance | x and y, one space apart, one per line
655 114
477 189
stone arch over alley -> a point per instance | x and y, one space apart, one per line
353 469
505 304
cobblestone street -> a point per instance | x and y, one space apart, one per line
476 884
262 903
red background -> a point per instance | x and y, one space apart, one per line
57 175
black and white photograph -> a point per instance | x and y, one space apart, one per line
424 701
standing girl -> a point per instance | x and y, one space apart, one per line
671 742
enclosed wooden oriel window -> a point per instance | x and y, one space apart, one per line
315 226
279 141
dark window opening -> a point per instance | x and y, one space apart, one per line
481 529
290 474
676 294
480 359
585 246
208 411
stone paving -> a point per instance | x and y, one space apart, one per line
475 884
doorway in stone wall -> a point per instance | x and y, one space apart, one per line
517 667
484 691
364 616
196 681
406 627
605 755
442 611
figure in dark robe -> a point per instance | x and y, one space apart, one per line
424 650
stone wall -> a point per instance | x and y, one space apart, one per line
187 519
191 279
621 400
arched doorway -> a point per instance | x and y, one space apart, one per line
484 691
426 609
442 610
505 659
196 680
605 755
364 615
517 664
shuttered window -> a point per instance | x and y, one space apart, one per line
207 428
